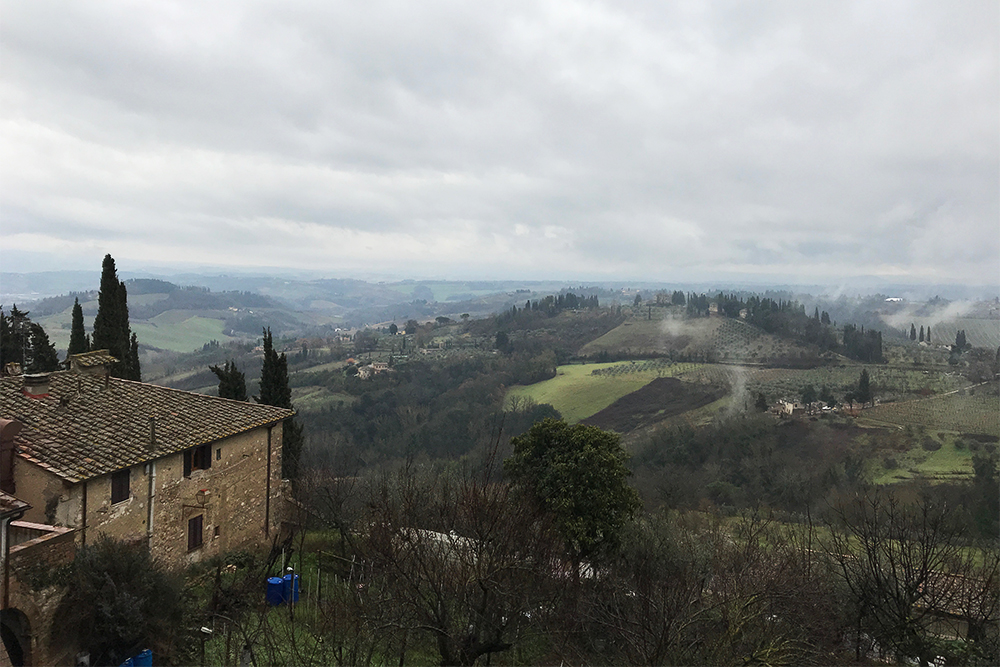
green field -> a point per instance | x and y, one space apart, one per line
949 463
182 336
315 397
577 391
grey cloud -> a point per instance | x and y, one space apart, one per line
767 136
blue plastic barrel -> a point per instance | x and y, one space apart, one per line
128 663
144 659
291 590
275 591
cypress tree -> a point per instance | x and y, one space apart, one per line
864 393
232 383
78 342
135 372
275 390
111 327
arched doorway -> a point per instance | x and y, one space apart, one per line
15 630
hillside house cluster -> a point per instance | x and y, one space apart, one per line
83 454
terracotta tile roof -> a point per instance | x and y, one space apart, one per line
9 505
83 429
92 359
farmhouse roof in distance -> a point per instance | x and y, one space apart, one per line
87 425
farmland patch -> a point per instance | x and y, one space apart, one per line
662 398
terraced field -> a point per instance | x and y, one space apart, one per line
888 382
970 411
718 338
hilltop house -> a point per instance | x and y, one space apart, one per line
86 454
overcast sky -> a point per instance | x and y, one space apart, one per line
572 140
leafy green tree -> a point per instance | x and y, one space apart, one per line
111 326
275 390
578 475
826 395
78 342
25 342
393 329
809 394
502 341
232 382
14 336
761 402
638 300
121 601
411 327
45 359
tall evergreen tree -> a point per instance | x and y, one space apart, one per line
913 332
15 335
45 359
111 327
232 383
928 333
275 390
134 370
864 393
78 342
920 336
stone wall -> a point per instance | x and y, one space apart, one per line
33 593
52 500
233 514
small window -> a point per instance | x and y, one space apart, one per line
218 454
199 458
119 486
195 525
216 531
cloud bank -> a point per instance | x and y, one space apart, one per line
559 139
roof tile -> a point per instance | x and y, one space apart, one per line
83 429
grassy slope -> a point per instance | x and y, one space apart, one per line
947 463
185 335
576 393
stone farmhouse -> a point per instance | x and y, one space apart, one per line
83 454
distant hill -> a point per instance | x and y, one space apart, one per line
668 332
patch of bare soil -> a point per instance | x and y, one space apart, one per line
660 399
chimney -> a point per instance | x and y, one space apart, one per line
36 385
8 431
